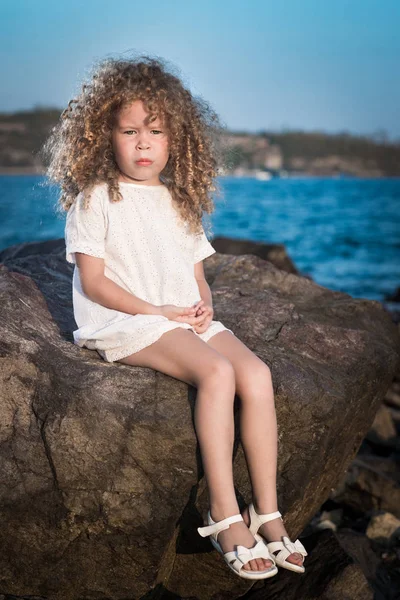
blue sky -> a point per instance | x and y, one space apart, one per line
262 64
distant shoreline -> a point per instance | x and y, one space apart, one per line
20 171
30 171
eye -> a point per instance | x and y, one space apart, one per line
129 131
156 131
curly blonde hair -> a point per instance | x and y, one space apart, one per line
79 151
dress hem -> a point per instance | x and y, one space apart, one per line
115 355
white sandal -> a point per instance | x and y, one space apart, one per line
236 559
285 546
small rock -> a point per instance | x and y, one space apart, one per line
384 529
326 524
371 483
335 516
383 430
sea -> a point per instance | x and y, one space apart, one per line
343 232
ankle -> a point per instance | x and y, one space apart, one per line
263 508
223 511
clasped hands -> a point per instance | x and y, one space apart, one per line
203 315
199 315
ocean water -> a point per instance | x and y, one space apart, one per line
343 232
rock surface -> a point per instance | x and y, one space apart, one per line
341 578
101 486
372 483
384 529
275 253
355 509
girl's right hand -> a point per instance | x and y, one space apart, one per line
182 314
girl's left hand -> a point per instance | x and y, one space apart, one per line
208 312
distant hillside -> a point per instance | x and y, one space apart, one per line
318 152
23 133
21 136
315 153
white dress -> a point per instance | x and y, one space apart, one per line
146 251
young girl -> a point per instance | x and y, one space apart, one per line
135 159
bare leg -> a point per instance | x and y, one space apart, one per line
258 429
183 355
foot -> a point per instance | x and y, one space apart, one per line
273 532
239 534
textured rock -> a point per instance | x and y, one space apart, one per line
101 485
274 253
383 431
371 483
384 529
392 397
331 574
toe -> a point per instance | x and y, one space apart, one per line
247 566
295 558
253 564
267 563
260 564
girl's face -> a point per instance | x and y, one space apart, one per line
140 147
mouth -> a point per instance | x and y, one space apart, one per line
144 162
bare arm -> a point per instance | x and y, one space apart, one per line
204 288
106 292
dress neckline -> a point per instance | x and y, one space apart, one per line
140 185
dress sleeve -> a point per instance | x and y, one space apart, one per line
202 247
85 229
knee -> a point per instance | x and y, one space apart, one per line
255 376
221 371
260 373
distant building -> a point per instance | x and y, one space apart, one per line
253 151
8 127
274 159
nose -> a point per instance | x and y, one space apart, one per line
143 142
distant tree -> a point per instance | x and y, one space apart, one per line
236 156
381 136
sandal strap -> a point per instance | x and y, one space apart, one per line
257 520
216 527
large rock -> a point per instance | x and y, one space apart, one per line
275 253
101 482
